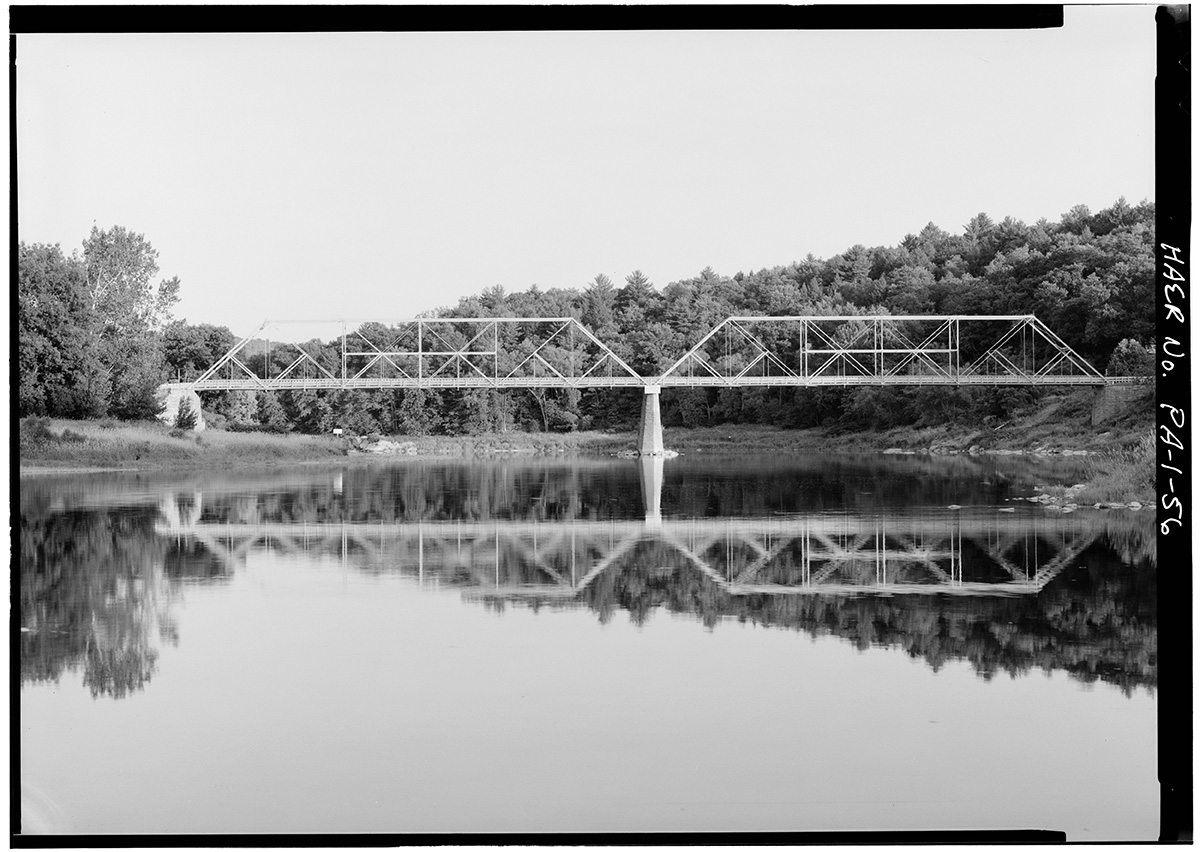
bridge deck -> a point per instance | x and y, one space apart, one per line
467 382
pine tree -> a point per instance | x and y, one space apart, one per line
186 417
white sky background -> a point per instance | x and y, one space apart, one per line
380 175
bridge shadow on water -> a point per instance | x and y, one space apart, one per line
866 551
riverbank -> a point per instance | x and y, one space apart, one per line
1120 453
62 446
74 446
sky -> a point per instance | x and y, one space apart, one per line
379 175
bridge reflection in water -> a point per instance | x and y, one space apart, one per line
981 551
104 568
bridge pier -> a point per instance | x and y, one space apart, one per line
650 435
169 395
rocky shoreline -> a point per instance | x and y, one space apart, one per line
976 450
1064 502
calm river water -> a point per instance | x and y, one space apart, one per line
786 643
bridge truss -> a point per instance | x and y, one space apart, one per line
460 352
559 352
881 350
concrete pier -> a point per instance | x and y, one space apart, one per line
168 397
650 435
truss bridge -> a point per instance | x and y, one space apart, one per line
559 352
502 353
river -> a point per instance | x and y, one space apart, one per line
800 643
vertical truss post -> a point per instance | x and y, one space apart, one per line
1032 346
496 353
804 348
957 350
878 347
420 350
343 354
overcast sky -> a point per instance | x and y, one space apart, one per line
381 175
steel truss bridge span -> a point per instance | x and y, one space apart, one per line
752 351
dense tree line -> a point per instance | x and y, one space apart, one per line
95 336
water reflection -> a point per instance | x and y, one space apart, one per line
825 548
95 595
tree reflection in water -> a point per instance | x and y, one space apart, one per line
94 596
1096 620
100 568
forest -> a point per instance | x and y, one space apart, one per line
96 333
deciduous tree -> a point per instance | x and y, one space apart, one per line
59 371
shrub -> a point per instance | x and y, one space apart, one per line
214 419
36 430
1126 473
1131 358
186 417
271 415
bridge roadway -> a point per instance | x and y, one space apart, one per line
817 554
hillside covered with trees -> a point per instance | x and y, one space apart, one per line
96 335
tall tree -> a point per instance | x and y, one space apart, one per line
189 350
121 267
271 415
417 413
59 369
600 302
131 311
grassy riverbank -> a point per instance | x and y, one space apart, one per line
59 445
74 445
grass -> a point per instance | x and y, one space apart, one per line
1121 476
113 445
